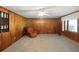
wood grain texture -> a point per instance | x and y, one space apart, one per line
73 36
46 25
16 26
12 26
6 40
0 42
19 25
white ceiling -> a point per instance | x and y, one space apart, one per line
50 11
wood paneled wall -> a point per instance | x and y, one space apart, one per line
16 25
46 25
0 42
72 35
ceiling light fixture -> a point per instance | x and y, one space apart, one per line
41 14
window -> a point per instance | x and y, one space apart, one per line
72 25
69 25
4 22
66 25
63 25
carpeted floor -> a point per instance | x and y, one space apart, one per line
44 43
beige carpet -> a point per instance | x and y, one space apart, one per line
44 43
